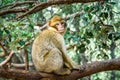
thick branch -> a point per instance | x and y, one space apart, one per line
98 66
85 70
19 74
47 4
14 10
17 4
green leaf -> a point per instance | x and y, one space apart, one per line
106 56
104 14
88 41
21 42
89 34
106 0
82 48
7 31
31 26
113 3
1 32
117 37
5 42
110 36
86 8
90 16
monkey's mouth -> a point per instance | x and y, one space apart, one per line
61 30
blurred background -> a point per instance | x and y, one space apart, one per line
93 32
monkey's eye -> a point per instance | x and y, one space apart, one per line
62 23
57 24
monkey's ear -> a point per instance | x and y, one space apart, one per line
49 23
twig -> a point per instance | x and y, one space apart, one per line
74 15
7 59
4 53
43 26
21 65
26 44
70 46
26 60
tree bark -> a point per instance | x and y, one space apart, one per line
85 70
44 5
112 54
38 7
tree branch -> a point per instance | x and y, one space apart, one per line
38 7
20 65
26 59
77 14
4 53
74 15
17 4
85 70
44 5
7 60
14 10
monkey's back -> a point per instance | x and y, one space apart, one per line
45 41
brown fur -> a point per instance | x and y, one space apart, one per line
49 52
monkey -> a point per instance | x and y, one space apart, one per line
49 49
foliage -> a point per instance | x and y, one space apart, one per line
92 34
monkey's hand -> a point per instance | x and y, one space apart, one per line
76 67
79 68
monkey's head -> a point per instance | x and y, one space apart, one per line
58 24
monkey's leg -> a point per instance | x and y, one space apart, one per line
55 62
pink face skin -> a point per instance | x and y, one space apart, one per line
60 27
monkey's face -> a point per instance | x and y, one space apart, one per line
60 26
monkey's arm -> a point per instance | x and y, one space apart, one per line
67 60
60 44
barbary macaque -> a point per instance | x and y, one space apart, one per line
49 49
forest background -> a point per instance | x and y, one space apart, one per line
93 32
